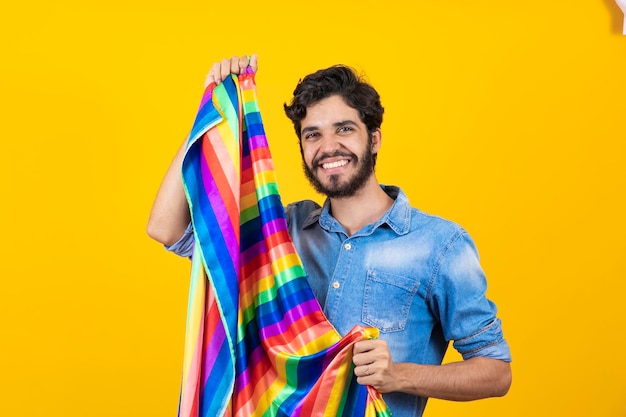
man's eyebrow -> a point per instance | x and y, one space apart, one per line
341 123
345 123
309 129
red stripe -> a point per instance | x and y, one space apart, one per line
261 370
279 238
252 271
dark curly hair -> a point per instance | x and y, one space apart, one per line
337 80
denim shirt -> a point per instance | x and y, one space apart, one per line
415 277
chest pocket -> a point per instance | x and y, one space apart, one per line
387 300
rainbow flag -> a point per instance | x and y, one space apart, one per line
257 342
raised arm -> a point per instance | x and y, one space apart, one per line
169 216
170 213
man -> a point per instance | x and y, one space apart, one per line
370 257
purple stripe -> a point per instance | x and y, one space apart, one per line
252 252
206 97
255 357
257 141
274 226
291 317
298 409
212 350
246 163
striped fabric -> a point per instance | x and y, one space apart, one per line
257 342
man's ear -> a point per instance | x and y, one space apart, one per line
377 137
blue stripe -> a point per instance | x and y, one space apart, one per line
206 118
214 249
288 296
219 384
356 401
251 234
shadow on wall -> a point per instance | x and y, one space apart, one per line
617 17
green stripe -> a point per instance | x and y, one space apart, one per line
267 189
231 114
280 279
250 107
246 317
249 214
291 374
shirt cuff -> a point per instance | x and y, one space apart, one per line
184 245
487 342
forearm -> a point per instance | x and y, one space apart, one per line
169 216
472 379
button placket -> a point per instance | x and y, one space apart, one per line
338 280
336 284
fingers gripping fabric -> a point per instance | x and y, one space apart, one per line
257 342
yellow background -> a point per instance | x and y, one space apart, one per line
507 117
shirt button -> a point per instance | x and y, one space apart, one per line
347 246
336 284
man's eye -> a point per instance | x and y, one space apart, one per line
310 135
345 129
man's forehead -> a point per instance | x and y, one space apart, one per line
330 111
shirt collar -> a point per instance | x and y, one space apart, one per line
398 217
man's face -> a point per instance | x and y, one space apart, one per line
337 149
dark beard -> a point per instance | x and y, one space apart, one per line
336 189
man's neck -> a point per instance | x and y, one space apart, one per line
365 207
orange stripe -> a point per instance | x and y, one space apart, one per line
248 187
221 181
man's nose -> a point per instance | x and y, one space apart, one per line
329 144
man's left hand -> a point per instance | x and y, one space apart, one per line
373 364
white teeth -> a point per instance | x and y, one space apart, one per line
335 164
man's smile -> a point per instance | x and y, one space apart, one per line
335 164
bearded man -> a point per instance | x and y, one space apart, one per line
371 258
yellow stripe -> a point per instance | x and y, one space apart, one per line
285 262
339 385
195 314
279 384
319 343
263 284
248 95
248 201
264 177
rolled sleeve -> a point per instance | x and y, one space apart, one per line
459 298
184 245
487 342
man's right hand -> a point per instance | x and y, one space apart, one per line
235 65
